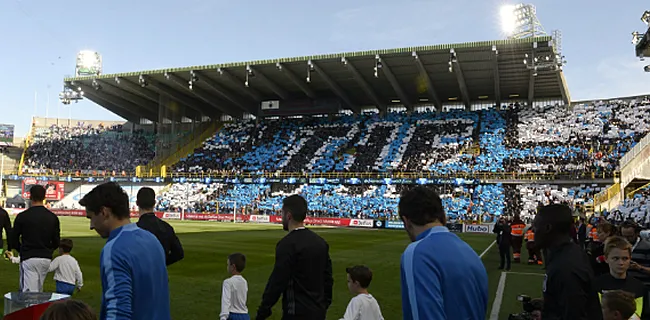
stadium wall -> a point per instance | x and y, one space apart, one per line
635 165
273 219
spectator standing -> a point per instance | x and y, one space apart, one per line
504 241
5 224
67 273
234 290
36 235
132 263
146 201
363 305
640 265
302 271
618 252
597 254
568 284
442 276
582 233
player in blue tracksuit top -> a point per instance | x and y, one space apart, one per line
442 276
132 263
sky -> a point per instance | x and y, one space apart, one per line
40 39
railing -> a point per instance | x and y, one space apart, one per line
631 194
26 143
635 151
188 146
406 175
607 194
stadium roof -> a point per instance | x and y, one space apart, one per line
488 71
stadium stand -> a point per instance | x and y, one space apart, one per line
588 138
87 148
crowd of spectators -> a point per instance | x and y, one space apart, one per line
87 148
587 138
480 202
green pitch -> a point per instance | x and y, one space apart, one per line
195 282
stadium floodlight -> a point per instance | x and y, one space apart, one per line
646 17
636 37
520 21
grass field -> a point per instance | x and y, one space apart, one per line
195 282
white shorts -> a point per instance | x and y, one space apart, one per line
33 272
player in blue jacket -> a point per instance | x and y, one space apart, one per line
442 276
132 263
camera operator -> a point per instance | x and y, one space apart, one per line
568 292
532 309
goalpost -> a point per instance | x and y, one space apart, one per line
228 206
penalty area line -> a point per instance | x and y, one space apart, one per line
488 249
496 305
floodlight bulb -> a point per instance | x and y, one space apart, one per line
508 19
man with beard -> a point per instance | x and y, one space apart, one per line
303 269
442 276
132 263
567 287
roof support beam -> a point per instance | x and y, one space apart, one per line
229 109
564 90
270 84
189 102
151 95
220 90
249 91
335 87
497 76
531 88
393 82
296 80
431 90
131 97
118 110
364 84
461 79
127 107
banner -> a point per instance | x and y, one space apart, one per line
478 228
333 222
361 223
54 190
260 219
455 227
394 224
171 215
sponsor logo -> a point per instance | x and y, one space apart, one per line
361 223
172 215
260 219
378 223
394 225
477 228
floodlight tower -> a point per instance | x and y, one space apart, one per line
520 21
642 40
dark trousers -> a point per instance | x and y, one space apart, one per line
504 254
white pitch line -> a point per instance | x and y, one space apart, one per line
496 306
527 273
488 249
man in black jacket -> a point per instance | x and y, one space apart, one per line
568 284
146 201
39 230
5 224
302 271
504 241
